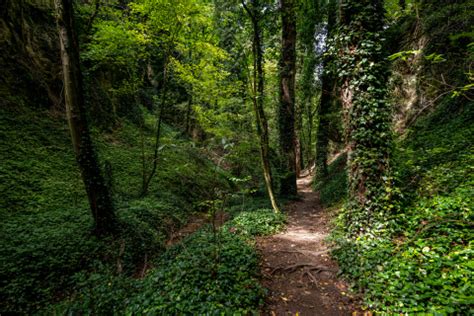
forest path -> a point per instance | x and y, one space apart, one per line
296 266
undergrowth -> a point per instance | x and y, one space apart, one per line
49 255
45 226
212 272
424 263
333 188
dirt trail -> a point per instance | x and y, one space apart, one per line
296 266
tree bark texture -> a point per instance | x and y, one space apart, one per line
286 114
97 191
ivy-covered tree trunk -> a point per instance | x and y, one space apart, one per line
366 113
327 92
100 200
286 114
258 98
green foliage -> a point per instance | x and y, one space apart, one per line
208 274
424 264
242 163
117 44
99 292
427 268
422 258
211 272
333 188
259 222
46 222
435 157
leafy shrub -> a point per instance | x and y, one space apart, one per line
257 223
244 202
98 293
333 188
209 274
427 269
212 272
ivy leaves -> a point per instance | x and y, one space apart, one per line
359 58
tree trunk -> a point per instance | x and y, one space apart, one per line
298 156
164 91
308 90
366 116
311 16
189 107
98 194
299 140
327 87
286 114
322 137
258 98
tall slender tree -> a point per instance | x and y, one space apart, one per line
327 92
309 17
159 122
254 12
100 200
286 114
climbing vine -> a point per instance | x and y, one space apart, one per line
360 62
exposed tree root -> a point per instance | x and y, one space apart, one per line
310 275
307 266
306 252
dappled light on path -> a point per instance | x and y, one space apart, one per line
296 266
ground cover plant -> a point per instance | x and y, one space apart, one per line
192 156
425 261
41 256
213 271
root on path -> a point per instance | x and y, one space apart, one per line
306 266
296 267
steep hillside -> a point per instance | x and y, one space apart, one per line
46 221
424 263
